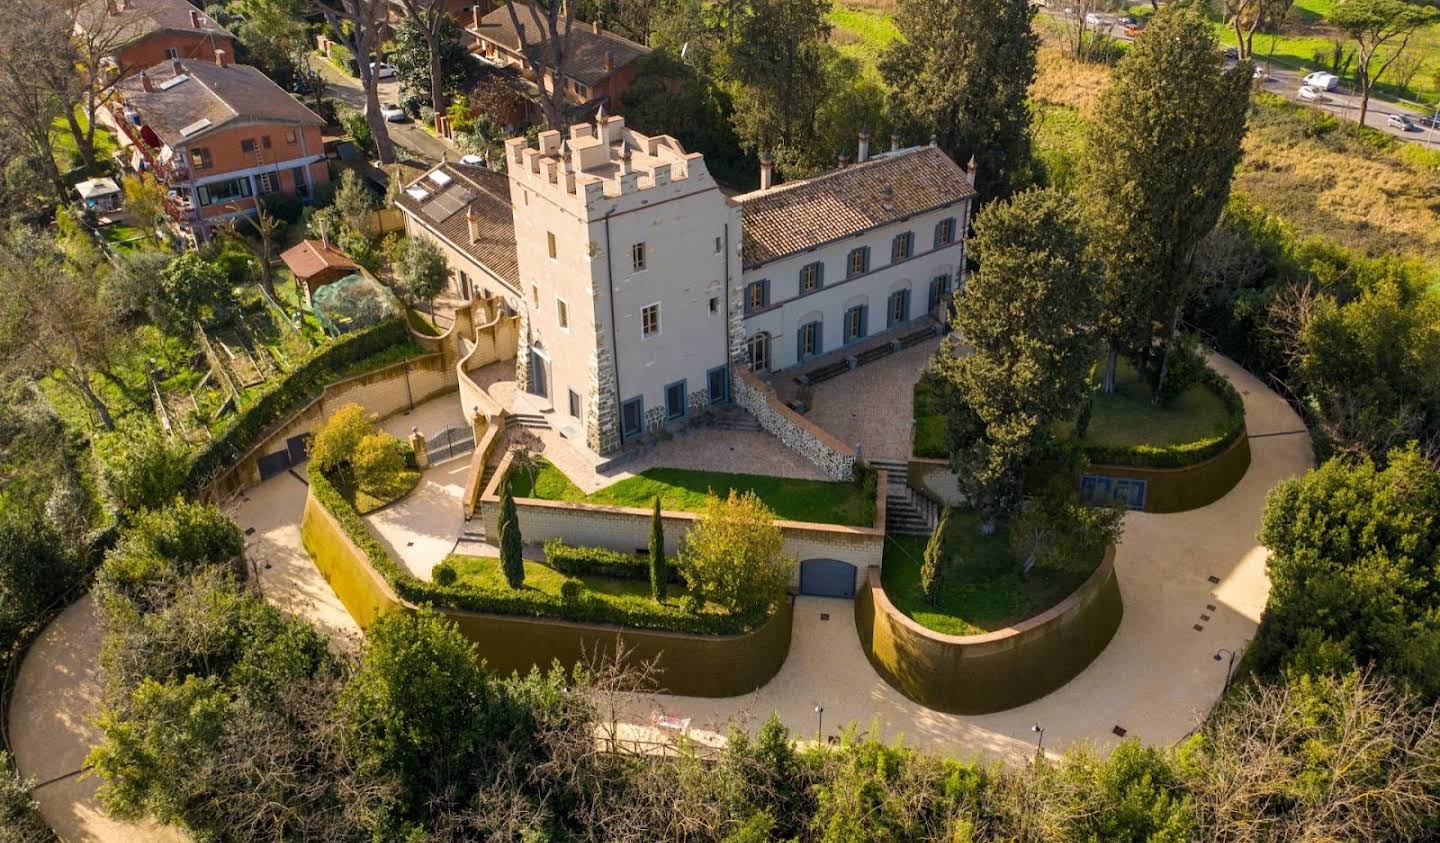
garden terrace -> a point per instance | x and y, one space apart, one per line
985 587
684 490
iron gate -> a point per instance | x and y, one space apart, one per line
450 443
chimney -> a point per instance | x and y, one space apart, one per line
933 139
625 164
145 82
767 171
473 222
222 58
195 19
970 171
863 154
894 141
844 160
475 17
595 27
609 60
176 67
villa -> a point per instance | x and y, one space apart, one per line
640 284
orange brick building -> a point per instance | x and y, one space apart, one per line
147 32
218 135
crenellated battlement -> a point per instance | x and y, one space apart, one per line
603 166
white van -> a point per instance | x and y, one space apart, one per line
1323 81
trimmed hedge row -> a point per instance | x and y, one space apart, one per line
587 608
282 398
600 561
1186 453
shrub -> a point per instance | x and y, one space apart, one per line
659 570
734 555
1186 368
377 460
512 559
598 561
335 441
143 468
443 574
1055 531
20 820
570 590
932 568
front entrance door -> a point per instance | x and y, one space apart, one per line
827 578
632 418
538 366
717 381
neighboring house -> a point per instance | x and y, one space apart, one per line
642 283
315 263
465 211
218 135
147 32
599 66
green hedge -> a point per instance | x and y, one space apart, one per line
600 561
1185 453
285 397
589 608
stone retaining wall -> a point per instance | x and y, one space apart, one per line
979 674
798 433
690 665
627 529
934 479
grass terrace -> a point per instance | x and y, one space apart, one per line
984 589
485 573
684 490
1128 418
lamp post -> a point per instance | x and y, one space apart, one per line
1040 740
1229 668
819 722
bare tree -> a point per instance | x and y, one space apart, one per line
525 448
266 226
52 320
97 36
367 22
1246 17
545 45
35 52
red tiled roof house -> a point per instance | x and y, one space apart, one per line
147 32
316 263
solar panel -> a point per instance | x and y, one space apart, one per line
448 203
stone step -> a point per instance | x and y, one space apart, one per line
531 420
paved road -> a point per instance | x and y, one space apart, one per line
408 135
1156 680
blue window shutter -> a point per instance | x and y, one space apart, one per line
800 344
819 276
866 262
765 292
904 305
864 316
819 338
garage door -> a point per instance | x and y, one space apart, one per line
827 578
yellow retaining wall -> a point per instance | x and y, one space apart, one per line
691 665
979 674
1187 487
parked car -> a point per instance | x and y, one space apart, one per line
1096 19
1132 30
1260 73
1127 20
383 71
1322 80
1311 93
1232 54
392 112
473 160
1401 122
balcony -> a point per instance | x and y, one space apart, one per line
169 173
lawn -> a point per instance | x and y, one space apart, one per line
484 572
1127 417
67 154
862 34
984 588
369 498
684 490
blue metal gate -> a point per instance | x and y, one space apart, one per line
827 578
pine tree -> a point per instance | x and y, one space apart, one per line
512 561
659 568
932 569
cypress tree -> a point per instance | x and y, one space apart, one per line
512 561
932 568
659 569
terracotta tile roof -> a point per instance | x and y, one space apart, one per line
311 257
234 94
800 215
586 61
142 18
443 199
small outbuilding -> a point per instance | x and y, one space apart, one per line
316 263
100 195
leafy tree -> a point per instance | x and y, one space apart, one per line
421 270
267 228
962 71
20 820
1352 571
419 705
378 460
734 555
35 570
512 560
1055 531
1135 794
274 35
1373 25
1246 17
429 52
672 97
358 127
1030 313
1162 148
778 65
143 467
192 289
144 200
361 26
333 445
932 568
659 569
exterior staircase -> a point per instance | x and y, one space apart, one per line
907 512
531 420
734 417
